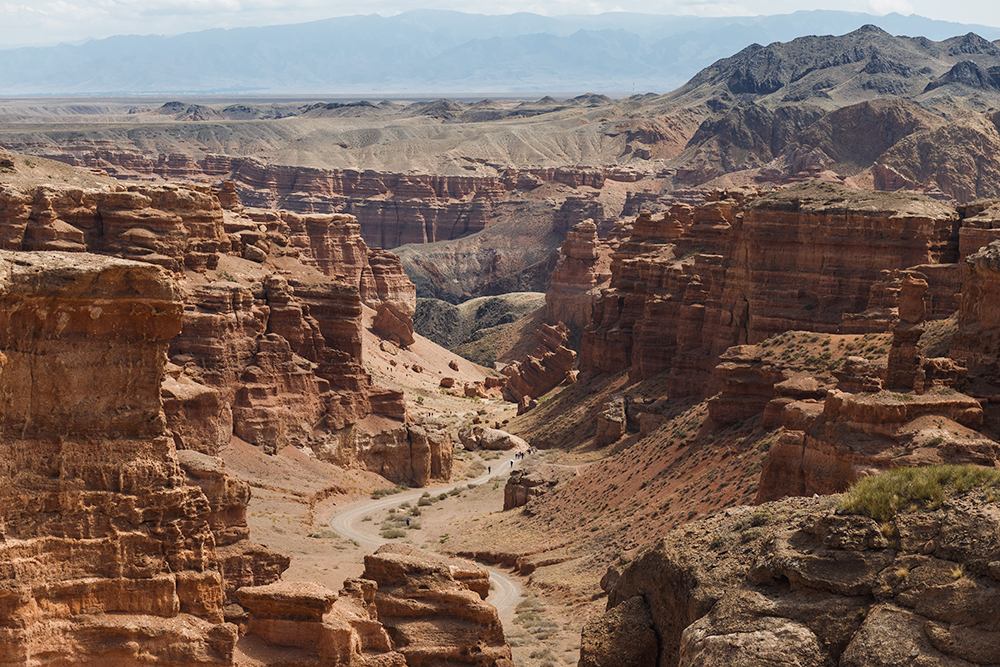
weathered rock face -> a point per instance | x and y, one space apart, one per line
545 369
393 324
748 381
977 342
332 630
483 437
393 209
827 446
269 359
124 563
168 225
691 283
434 610
584 269
824 588
525 484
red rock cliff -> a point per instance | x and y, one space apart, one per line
108 552
691 283
282 356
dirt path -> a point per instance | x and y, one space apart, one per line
505 593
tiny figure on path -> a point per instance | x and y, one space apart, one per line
407 522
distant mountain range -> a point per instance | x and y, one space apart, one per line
430 52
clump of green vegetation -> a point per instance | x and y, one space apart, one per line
324 534
761 516
393 533
382 493
883 496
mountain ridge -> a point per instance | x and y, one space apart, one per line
428 50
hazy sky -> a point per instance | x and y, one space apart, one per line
50 21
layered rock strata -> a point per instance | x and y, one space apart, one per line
828 445
976 344
550 365
393 209
525 484
109 550
329 629
578 279
694 281
273 360
434 608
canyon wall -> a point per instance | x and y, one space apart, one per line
112 544
269 347
690 283
117 547
393 209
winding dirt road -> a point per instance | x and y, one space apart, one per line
505 592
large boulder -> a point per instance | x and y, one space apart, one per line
434 608
483 437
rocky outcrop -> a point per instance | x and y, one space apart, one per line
578 279
756 587
977 342
542 371
748 381
527 483
169 225
434 608
127 568
393 324
393 209
266 357
612 422
332 630
492 439
849 436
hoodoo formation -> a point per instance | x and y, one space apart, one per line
738 403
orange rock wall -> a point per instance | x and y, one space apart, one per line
106 550
392 209
283 357
689 284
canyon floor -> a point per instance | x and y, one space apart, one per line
295 497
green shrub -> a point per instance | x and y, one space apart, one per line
882 496
761 516
392 533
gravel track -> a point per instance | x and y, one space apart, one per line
505 592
